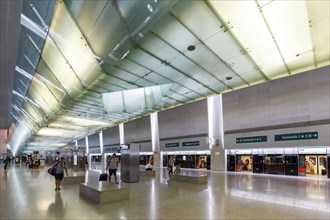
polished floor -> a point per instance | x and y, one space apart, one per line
29 194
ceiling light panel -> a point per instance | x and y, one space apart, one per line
198 18
179 89
168 29
55 132
221 71
115 81
82 122
170 73
121 74
288 21
205 78
144 83
158 47
240 17
190 83
103 87
58 65
70 42
158 79
203 56
243 66
319 15
130 66
102 26
186 65
43 96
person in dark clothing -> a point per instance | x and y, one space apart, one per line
7 161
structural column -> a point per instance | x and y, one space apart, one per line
89 157
216 133
103 160
155 139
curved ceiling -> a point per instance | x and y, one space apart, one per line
84 66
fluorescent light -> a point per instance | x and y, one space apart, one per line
125 54
25 98
49 83
32 26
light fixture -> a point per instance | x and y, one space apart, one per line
150 8
191 47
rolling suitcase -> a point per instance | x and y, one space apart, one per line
103 177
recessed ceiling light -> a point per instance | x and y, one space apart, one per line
229 78
150 8
191 47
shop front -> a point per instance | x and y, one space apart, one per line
302 161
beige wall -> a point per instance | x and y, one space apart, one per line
3 139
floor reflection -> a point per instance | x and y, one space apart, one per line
307 194
57 209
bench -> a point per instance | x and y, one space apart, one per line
189 179
103 192
74 179
147 172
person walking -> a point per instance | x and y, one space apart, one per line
60 167
171 165
7 161
113 166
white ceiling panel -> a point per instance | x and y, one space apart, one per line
158 79
223 45
198 18
124 75
134 68
169 29
170 73
205 78
203 56
180 89
185 65
144 83
158 47
147 60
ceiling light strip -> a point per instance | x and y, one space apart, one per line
45 26
32 26
273 37
25 98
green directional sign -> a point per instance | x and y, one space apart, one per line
172 145
297 136
254 139
190 143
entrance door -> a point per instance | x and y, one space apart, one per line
258 165
230 162
291 165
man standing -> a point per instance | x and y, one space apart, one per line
113 166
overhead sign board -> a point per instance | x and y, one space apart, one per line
254 139
191 143
297 136
172 145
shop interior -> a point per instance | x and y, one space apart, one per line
311 161
189 159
